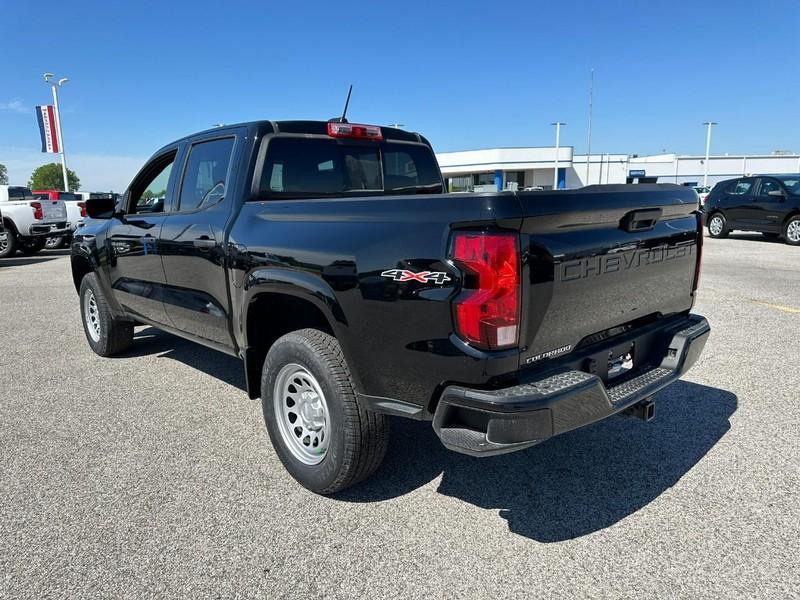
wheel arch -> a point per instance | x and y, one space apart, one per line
9 224
81 267
792 213
279 302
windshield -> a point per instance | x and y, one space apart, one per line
307 168
792 183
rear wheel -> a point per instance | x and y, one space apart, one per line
30 246
54 243
717 226
107 335
322 435
8 243
791 231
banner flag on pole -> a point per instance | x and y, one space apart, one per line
47 128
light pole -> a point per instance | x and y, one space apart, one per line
558 125
709 125
589 145
55 84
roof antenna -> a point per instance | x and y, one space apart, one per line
346 104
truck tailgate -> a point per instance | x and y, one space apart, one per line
54 210
600 258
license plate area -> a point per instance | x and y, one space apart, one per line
613 363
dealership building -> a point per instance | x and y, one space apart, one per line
517 168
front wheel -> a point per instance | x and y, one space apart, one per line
107 335
30 246
717 226
322 435
791 231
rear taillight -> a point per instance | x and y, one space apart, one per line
487 311
351 130
82 206
38 213
696 281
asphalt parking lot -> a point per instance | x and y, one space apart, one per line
151 474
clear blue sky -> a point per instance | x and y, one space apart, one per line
467 75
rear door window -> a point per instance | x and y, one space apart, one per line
767 186
206 174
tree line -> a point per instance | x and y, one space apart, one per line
46 177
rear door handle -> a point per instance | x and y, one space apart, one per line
204 242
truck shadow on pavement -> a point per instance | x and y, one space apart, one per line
150 341
22 261
571 485
568 487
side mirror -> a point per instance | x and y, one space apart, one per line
778 193
100 208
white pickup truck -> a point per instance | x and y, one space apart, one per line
76 212
29 222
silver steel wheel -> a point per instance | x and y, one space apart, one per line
53 242
302 414
793 231
3 241
91 315
716 224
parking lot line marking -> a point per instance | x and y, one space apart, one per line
787 309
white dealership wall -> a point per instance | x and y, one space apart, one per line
673 168
539 164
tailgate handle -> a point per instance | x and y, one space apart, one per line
640 220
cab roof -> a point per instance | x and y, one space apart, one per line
265 127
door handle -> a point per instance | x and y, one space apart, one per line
204 242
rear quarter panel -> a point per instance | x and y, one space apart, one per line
396 336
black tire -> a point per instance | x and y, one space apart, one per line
115 335
30 246
790 231
8 244
720 232
358 437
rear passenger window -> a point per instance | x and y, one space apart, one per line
767 186
741 187
206 173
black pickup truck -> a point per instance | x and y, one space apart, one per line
328 257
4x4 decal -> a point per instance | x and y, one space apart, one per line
438 277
